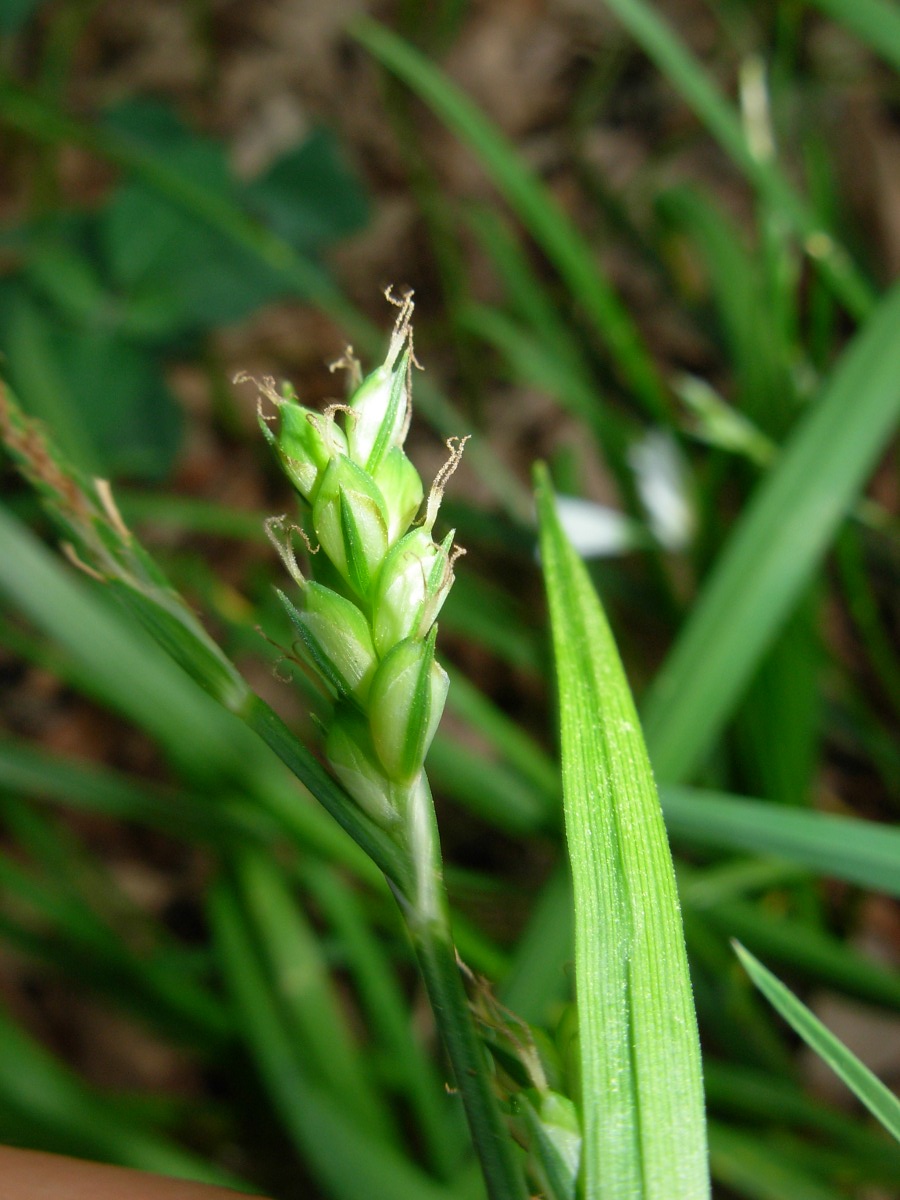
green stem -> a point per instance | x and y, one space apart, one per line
380 848
426 914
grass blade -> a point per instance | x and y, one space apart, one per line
861 852
69 1117
202 738
166 704
537 977
644 1130
310 1006
750 1094
562 243
39 775
874 22
439 1121
686 74
779 541
349 1162
883 1104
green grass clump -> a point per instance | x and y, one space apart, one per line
358 1014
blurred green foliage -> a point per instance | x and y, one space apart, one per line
762 638
120 292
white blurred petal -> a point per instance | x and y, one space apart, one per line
662 483
595 530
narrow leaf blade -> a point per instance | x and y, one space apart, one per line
644 1130
778 543
883 1104
860 852
538 211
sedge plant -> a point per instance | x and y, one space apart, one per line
804 425
626 1118
373 582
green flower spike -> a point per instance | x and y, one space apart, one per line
366 619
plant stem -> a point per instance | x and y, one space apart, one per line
426 915
423 902
379 847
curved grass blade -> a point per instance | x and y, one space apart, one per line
348 1160
114 656
39 775
644 1128
874 22
883 1104
206 742
779 541
687 75
539 212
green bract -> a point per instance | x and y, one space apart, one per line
413 584
379 413
336 637
350 751
401 488
366 617
306 441
350 520
407 699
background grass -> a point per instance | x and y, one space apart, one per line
652 245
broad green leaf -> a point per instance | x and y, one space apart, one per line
298 274
37 373
644 1128
883 1104
309 195
776 546
15 13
